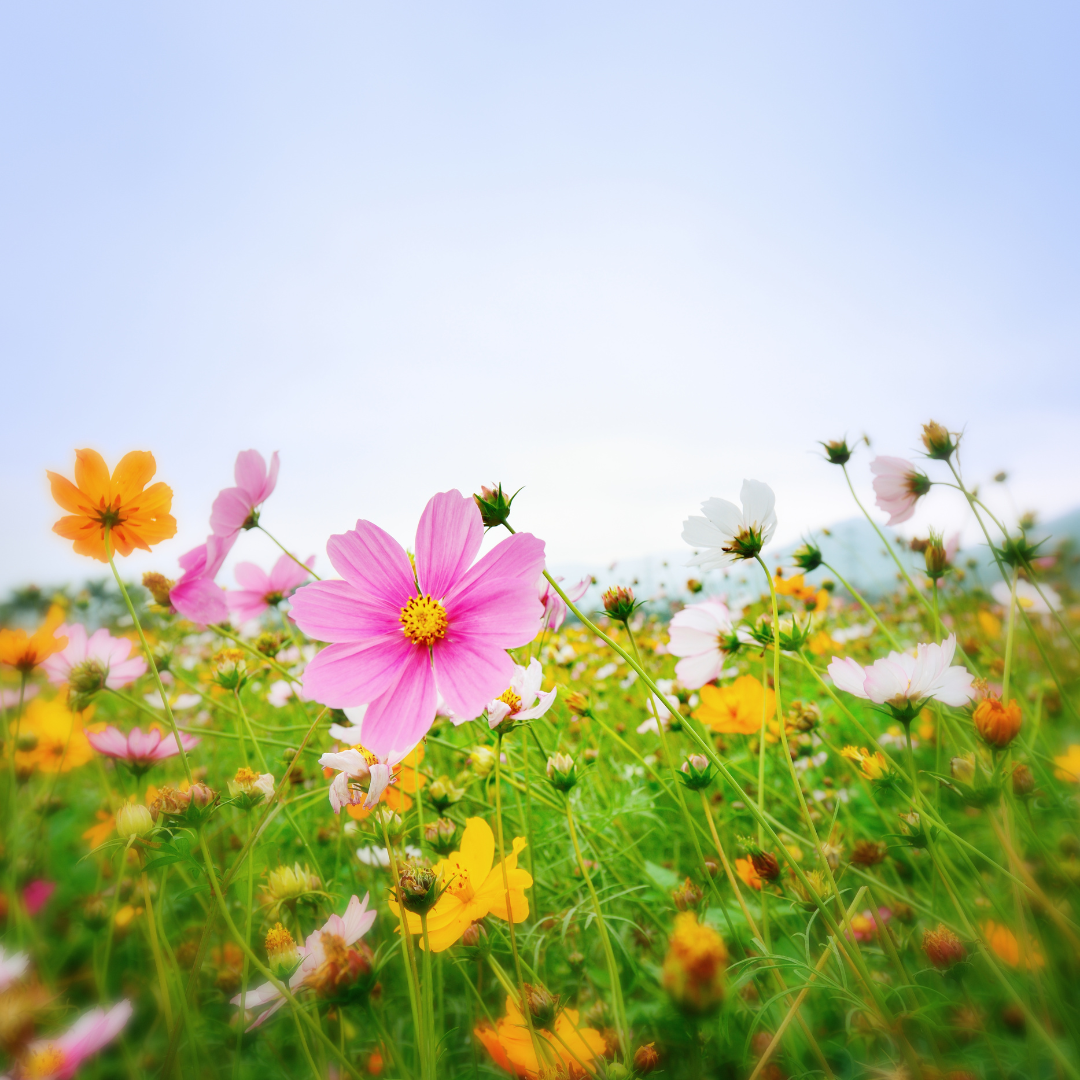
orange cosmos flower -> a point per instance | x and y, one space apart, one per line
136 518
1005 946
736 709
25 651
745 869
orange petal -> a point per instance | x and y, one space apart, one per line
67 496
92 476
132 474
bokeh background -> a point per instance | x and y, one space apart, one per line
623 254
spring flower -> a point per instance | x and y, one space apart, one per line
1005 946
737 709
729 534
702 635
997 722
135 518
12 967
349 928
872 765
260 590
88 664
24 651
51 739
694 968
355 765
137 749
554 605
745 869
564 1046
237 507
195 595
523 699
59 1059
905 682
898 486
942 947
473 888
250 788
1068 765
399 640
1027 597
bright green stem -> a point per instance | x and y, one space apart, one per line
289 553
155 950
1009 638
429 1004
865 606
407 947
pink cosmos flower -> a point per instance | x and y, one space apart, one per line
698 634
36 895
898 486
139 749
400 639
260 590
350 927
59 1059
905 681
554 606
109 656
12 966
195 596
237 507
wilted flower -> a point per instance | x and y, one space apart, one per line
943 947
868 852
562 772
554 605
728 534
418 888
997 723
192 806
694 968
703 636
687 895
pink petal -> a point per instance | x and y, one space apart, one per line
335 611
286 575
447 539
229 512
193 562
111 742
469 674
200 600
357 920
250 474
375 564
520 556
246 604
346 674
399 718
252 578
501 611
143 744
127 671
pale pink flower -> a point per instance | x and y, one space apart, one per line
280 691
523 699
554 605
259 590
59 1059
111 657
12 966
351 927
905 681
356 766
727 534
698 634
139 749
237 507
398 641
1027 598
898 486
9 699
195 595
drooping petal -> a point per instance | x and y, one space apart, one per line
544 702
447 540
380 778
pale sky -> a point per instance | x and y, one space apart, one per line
622 254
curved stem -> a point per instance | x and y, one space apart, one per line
288 552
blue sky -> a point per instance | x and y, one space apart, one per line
622 254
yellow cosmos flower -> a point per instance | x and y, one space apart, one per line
1005 946
736 709
1068 765
52 737
24 651
474 888
873 766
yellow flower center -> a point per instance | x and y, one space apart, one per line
44 1062
366 754
245 776
423 620
509 698
460 884
279 940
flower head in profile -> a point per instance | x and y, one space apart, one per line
135 515
874 766
703 636
400 638
522 699
51 738
91 663
554 605
195 595
237 508
355 766
24 651
738 709
60 1058
347 929
473 888
138 749
259 590
727 534
905 682
898 486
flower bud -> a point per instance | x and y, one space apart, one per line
963 769
694 968
85 680
619 603
696 772
442 835
229 668
562 772
996 722
578 703
475 936
418 888
942 947
646 1059
868 852
1023 782
159 587
193 806
481 760
133 819
837 451
250 789
444 793
493 505
807 557
543 1005
268 644
938 441
384 818
765 863
281 949
687 895
937 562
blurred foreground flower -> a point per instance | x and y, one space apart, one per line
24 651
737 709
898 486
51 738
59 1059
695 965
554 605
138 749
259 591
90 664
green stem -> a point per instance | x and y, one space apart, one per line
289 553
1009 638
865 606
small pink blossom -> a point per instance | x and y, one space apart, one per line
111 655
195 595
356 766
36 895
59 1059
139 749
898 486
400 638
237 507
554 605
259 590
698 634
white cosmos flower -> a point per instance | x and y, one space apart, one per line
697 634
727 534
356 765
903 680
1027 597
523 700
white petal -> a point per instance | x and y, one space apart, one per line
380 777
726 516
543 703
497 712
695 671
848 675
758 502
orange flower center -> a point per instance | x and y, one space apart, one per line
460 884
44 1062
423 620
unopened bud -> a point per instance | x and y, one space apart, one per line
442 835
696 772
646 1059
837 451
578 703
619 603
229 668
963 769
937 561
543 1005
494 506
475 935
1023 782
159 587
444 793
562 772
942 947
481 760
687 895
938 441
418 889
807 557
997 722
133 819
268 644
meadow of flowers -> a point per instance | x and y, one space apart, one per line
404 810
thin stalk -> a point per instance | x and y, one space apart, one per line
155 950
429 1004
865 606
1009 638
288 552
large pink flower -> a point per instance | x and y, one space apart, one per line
554 606
261 590
237 507
898 486
400 640
138 748
59 1059
109 657
195 595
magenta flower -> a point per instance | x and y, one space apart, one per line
36 895
260 590
898 486
237 507
59 1059
399 639
100 655
139 749
195 595
554 606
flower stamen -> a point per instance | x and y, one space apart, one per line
423 620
